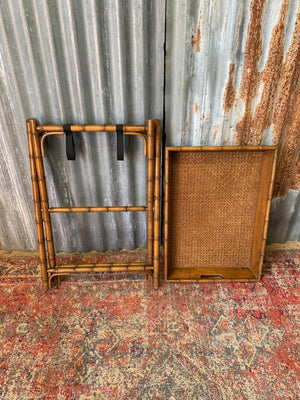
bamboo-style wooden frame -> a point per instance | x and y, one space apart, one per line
151 136
202 274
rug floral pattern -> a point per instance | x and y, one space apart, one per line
114 337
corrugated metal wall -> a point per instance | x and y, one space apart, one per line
83 62
232 76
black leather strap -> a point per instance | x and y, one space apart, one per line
120 142
70 147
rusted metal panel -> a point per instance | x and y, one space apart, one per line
83 62
233 78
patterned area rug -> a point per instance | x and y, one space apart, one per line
114 337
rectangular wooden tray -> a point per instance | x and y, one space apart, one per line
217 207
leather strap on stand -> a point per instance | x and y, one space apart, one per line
120 142
70 147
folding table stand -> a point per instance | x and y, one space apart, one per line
151 136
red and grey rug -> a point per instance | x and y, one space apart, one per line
114 337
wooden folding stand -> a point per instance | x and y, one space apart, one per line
151 135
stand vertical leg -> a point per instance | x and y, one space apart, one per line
37 209
150 188
43 191
156 245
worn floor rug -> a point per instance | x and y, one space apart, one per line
114 337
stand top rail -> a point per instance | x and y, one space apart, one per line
92 128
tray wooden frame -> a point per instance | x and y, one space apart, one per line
249 273
151 136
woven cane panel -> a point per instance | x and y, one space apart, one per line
213 202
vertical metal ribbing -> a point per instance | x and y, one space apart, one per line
43 190
156 244
37 209
150 188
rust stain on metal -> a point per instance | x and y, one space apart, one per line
250 74
229 93
280 98
196 40
270 77
286 119
288 167
216 130
289 84
196 107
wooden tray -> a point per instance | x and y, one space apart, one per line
216 212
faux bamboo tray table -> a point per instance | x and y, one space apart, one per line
217 203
